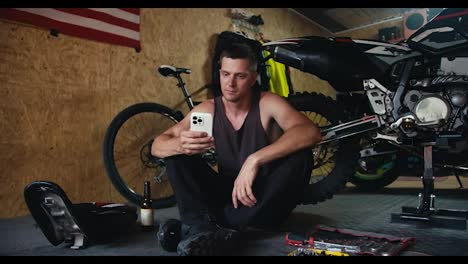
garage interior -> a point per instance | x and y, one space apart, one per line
60 92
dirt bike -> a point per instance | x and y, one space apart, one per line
382 108
393 100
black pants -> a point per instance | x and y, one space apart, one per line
200 191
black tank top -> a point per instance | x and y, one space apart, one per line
233 147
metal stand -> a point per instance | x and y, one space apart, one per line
426 213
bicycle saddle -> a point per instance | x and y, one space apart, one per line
167 70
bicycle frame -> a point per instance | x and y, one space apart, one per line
170 71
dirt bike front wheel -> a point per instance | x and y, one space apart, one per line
127 152
334 162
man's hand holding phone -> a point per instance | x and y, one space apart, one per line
198 139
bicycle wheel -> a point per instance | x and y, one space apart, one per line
127 152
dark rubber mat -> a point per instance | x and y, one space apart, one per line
350 209
371 212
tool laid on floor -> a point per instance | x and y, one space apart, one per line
332 241
299 240
316 252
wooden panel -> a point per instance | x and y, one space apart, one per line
357 17
52 115
296 26
59 94
371 32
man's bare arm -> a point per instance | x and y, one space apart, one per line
299 131
179 140
168 143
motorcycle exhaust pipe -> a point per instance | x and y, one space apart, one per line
286 56
316 62
350 128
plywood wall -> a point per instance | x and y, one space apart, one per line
59 94
371 32
283 23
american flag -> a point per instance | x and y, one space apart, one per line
119 26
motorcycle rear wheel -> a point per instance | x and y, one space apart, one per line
377 178
335 162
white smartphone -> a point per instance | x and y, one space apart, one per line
201 122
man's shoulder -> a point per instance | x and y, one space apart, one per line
206 106
267 96
271 103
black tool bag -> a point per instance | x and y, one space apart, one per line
78 224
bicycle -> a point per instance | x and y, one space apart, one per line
128 139
144 121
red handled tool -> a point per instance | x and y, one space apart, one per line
299 240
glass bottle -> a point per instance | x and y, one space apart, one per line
146 209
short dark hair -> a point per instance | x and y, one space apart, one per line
240 51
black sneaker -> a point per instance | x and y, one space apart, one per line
211 240
169 234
